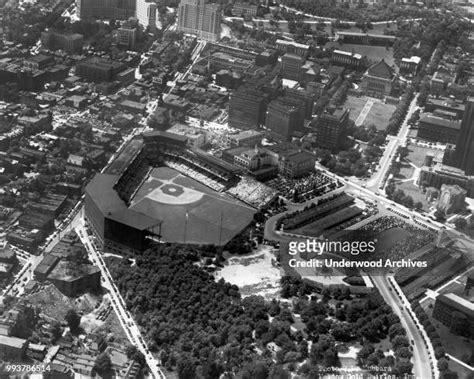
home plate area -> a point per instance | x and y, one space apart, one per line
189 211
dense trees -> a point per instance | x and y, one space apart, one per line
73 320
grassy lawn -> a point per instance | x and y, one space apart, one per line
410 189
355 104
379 115
406 171
417 154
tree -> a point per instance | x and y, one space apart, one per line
73 320
460 223
56 331
135 354
440 215
185 367
103 364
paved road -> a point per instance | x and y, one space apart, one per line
421 356
126 320
385 162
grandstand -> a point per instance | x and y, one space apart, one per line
183 202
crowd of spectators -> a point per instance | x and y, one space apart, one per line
252 192
303 189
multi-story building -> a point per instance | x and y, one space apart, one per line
292 47
445 105
291 66
98 70
410 65
440 174
246 138
365 38
296 163
12 348
252 159
247 109
55 40
127 36
329 127
147 13
200 18
451 199
305 98
438 129
379 79
283 119
242 8
464 154
456 313
347 59
106 9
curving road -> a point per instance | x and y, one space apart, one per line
421 352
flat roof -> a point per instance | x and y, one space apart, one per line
441 122
12 341
112 206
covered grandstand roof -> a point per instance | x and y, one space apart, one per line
113 207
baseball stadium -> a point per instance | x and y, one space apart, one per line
159 190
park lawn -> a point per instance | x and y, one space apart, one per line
417 154
379 115
355 105
410 189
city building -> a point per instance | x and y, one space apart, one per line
347 59
439 174
252 159
56 40
292 47
292 66
283 120
437 129
304 97
95 69
247 109
464 153
106 9
329 127
242 8
445 106
200 18
365 38
38 62
456 313
296 164
452 199
12 348
147 13
410 65
248 138
379 79
73 279
127 36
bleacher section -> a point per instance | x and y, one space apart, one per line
132 177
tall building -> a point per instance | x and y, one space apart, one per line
200 18
127 36
106 9
329 127
147 13
291 66
55 40
247 109
283 119
464 154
